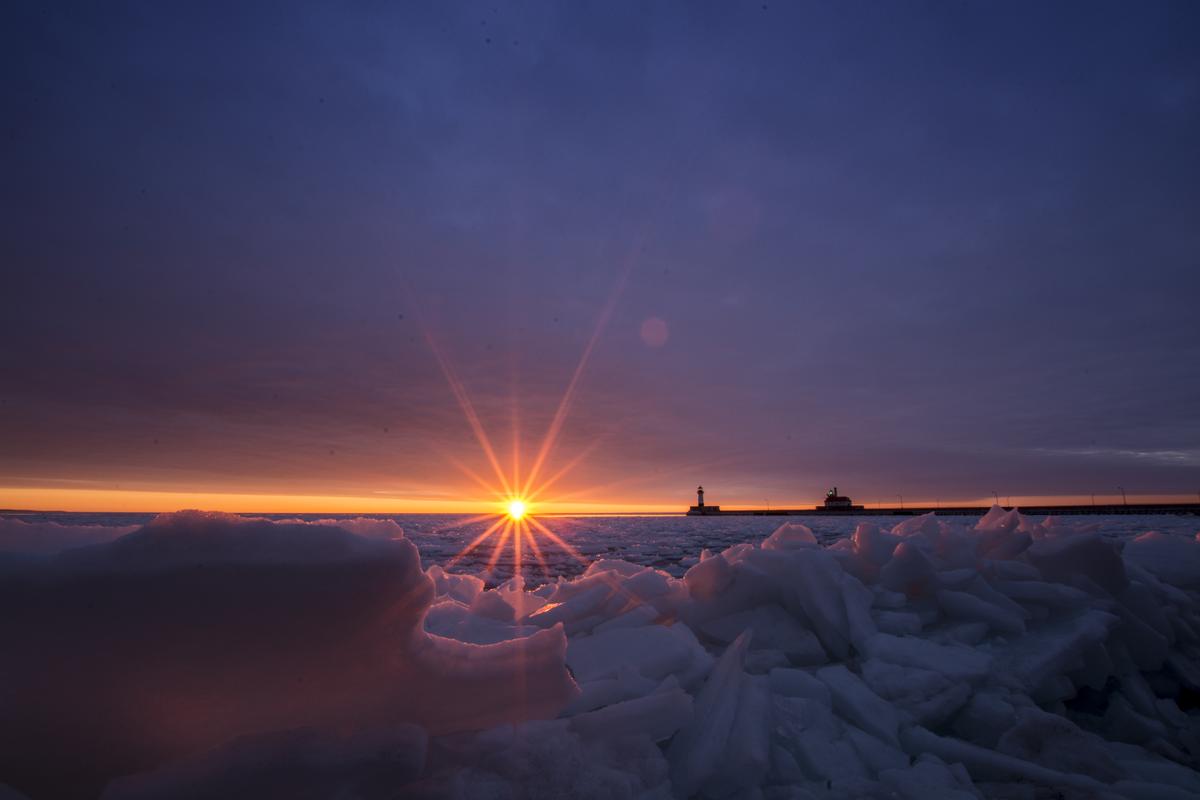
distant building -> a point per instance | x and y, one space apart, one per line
837 502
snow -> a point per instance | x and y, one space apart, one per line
210 655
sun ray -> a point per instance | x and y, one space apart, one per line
474 476
476 542
505 532
460 523
517 539
537 550
517 492
562 473
564 405
468 409
554 537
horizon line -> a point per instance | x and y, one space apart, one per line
24 500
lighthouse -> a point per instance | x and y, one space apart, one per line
700 508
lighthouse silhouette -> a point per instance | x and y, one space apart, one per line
699 497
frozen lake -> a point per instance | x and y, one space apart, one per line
669 543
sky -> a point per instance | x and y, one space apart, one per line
930 250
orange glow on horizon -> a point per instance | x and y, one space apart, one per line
24 498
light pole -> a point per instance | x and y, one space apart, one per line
997 496
901 501
1124 501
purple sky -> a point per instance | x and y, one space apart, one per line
936 249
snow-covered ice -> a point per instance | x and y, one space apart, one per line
209 655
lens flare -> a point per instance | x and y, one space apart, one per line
517 523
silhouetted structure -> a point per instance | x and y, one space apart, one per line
837 502
700 508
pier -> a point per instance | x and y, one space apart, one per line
1180 509
837 505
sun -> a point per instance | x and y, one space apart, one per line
516 509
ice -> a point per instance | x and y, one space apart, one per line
1055 742
658 716
453 620
199 628
294 763
788 536
814 589
1065 559
944 658
854 700
773 629
463 588
926 778
961 605
910 571
709 577
724 747
815 742
45 538
627 684
654 651
1172 559
799 683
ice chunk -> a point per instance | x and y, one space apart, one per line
925 525
19 536
655 651
463 588
997 520
799 683
227 626
294 763
1056 648
724 747
815 740
773 628
657 715
454 620
898 622
790 535
910 570
956 662
854 700
873 545
576 607
1065 558
548 760
1052 595
812 586
1056 742
635 617
985 718
709 577
627 684
989 765
961 605
876 754
1172 559
760 662
927 778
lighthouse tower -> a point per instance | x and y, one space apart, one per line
700 508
